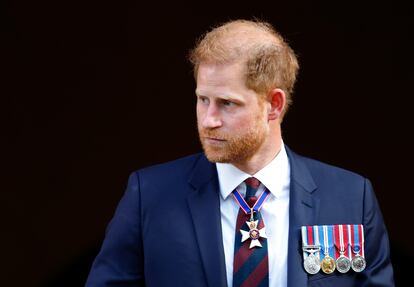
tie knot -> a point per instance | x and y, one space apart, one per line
252 182
251 201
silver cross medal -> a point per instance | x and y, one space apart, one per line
254 233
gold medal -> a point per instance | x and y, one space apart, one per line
328 264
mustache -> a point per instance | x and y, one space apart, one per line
212 134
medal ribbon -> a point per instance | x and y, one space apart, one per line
327 240
317 241
361 236
357 236
322 240
304 240
341 239
310 237
304 237
243 204
350 241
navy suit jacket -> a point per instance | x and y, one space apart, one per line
166 230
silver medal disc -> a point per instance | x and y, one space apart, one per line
343 264
312 264
358 263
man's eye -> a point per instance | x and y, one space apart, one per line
228 103
203 100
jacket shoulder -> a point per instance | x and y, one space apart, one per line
319 167
322 172
177 168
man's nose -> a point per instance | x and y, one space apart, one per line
212 118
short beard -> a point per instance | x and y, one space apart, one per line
236 149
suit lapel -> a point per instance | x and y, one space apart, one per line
204 204
303 210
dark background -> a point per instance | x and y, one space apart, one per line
95 90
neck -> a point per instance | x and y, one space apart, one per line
263 157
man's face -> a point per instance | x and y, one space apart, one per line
232 122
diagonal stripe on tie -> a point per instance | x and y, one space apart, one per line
251 262
241 255
258 275
250 266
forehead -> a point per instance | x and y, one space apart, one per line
214 77
217 71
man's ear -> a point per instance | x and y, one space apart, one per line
276 103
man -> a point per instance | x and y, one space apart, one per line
233 215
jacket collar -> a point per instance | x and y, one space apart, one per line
204 205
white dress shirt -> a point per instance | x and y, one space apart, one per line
275 212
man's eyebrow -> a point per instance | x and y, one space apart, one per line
199 93
222 97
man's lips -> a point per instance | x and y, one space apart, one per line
211 140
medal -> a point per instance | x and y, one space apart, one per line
311 261
330 247
343 264
328 263
254 232
310 245
358 262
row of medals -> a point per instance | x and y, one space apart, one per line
328 264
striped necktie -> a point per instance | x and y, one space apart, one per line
250 267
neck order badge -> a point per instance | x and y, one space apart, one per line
250 267
254 233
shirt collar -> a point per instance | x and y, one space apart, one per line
273 176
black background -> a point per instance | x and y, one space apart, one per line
95 90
